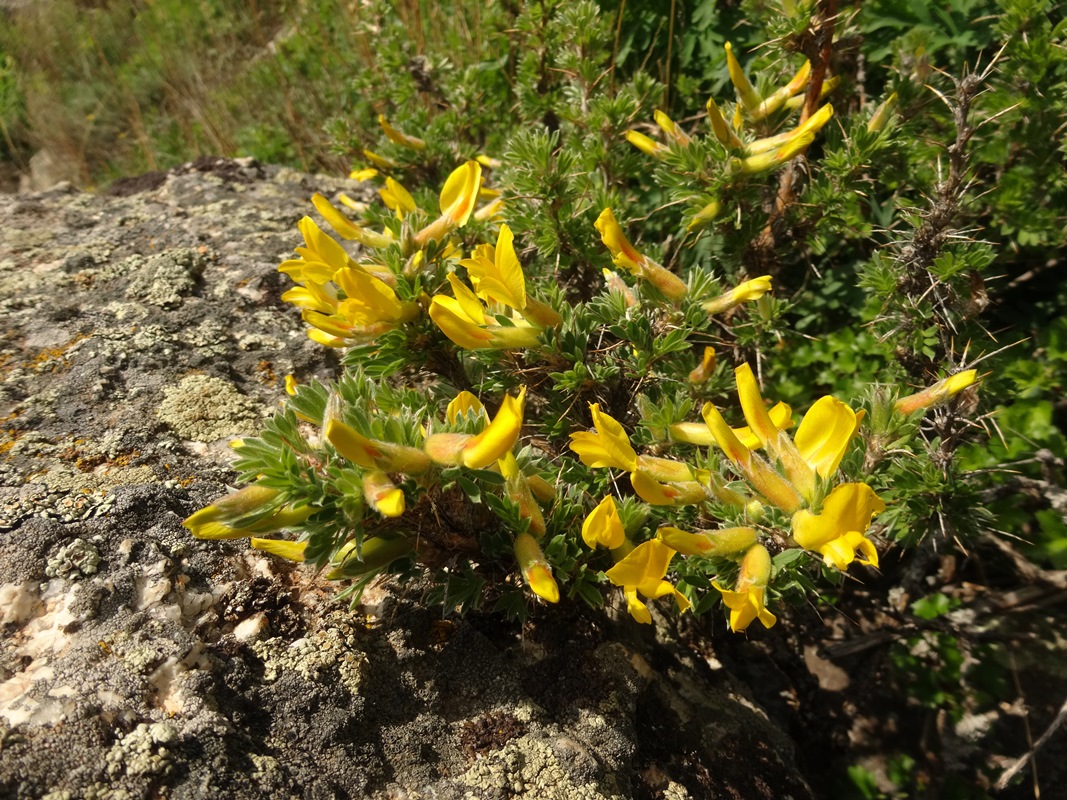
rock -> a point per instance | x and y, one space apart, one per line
141 330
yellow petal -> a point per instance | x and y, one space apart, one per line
382 494
453 321
645 565
460 193
638 610
463 404
615 240
749 96
293 551
499 436
603 526
644 143
825 433
849 508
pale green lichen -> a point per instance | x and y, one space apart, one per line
73 560
331 650
527 768
206 409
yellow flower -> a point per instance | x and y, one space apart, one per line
760 475
773 158
746 600
626 256
742 293
670 127
825 434
293 551
364 174
837 532
382 494
251 510
645 144
661 492
381 162
517 488
494 441
705 216
778 98
373 454
397 198
722 130
699 434
723 542
882 114
749 96
458 198
345 228
463 320
402 139
603 526
535 568
703 371
812 125
643 570
351 305
495 272
938 393
462 405
499 436
608 447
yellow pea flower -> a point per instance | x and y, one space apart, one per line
458 198
745 292
364 174
373 454
626 256
778 98
758 472
499 436
938 393
381 162
837 532
746 600
722 130
723 542
535 568
481 450
397 198
697 433
704 217
705 368
292 551
382 494
603 526
463 320
646 144
825 434
244 513
748 94
643 571
402 139
777 442
812 125
608 447
345 228
670 127
463 404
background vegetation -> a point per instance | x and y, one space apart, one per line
932 245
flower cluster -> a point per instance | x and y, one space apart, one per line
398 466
